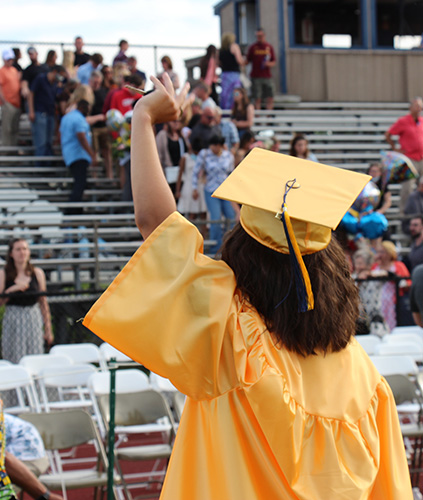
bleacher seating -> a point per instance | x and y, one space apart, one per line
93 247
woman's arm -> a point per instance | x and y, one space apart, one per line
179 180
199 166
236 51
45 308
387 202
153 199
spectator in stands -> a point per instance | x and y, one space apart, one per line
230 61
416 295
65 96
42 108
81 57
261 55
24 442
12 470
30 72
101 136
124 98
84 71
299 147
208 66
371 319
132 66
77 149
227 130
10 99
168 68
386 264
415 257
171 147
205 128
242 114
69 64
121 56
120 74
26 313
245 145
107 73
202 92
193 209
216 164
82 92
385 200
51 61
18 55
409 128
195 113
413 206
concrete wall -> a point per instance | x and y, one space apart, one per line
354 75
227 21
269 22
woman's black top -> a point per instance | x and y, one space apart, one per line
228 61
176 149
24 298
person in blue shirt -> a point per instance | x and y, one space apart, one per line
84 71
77 149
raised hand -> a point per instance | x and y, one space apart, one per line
163 105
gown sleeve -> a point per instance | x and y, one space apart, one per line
169 309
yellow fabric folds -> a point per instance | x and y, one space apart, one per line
260 422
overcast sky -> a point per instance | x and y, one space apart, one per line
151 22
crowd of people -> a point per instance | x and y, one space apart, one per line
199 149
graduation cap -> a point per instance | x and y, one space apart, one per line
291 205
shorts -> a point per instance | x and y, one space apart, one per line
101 138
262 88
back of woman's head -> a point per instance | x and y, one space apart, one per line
246 139
264 277
292 147
227 40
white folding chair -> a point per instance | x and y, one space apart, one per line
414 338
35 363
400 330
17 382
80 353
108 352
73 377
69 429
392 365
411 349
4 362
368 342
161 384
137 410
127 381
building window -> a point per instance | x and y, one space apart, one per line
399 23
327 23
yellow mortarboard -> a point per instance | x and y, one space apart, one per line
270 185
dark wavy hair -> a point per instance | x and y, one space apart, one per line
9 268
295 139
263 276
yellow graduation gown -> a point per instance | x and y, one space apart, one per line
260 422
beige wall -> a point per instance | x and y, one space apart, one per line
269 22
227 21
354 75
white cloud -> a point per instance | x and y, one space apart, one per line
141 22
